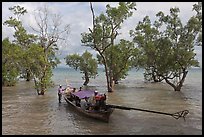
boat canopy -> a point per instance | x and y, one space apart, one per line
84 93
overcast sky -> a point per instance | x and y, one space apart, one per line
78 15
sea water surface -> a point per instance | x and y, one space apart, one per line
26 113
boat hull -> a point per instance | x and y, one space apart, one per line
100 115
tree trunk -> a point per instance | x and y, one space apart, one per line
39 88
36 86
179 86
42 92
111 67
108 80
111 81
42 80
43 88
100 52
28 76
171 84
112 84
107 74
86 79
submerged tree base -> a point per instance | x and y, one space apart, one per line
41 93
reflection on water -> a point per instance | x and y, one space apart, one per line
24 112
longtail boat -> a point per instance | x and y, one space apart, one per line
101 114
107 109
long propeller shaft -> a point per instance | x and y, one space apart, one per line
176 115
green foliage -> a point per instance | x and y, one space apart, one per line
73 61
198 17
36 59
146 35
104 32
10 62
167 47
40 69
88 64
22 38
18 10
85 63
49 33
119 59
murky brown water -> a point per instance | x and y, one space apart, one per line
24 112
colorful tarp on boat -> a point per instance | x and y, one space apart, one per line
84 93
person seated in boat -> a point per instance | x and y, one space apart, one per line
68 91
87 103
74 90
100 101
96 101
92 101
78 101
72 96
103 102
80 89
94 97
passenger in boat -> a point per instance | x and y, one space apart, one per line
68 92
95 101
74 90
72 96
60 92
100 102
103 102
87 103
80 89
92 101
94 97
78 101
